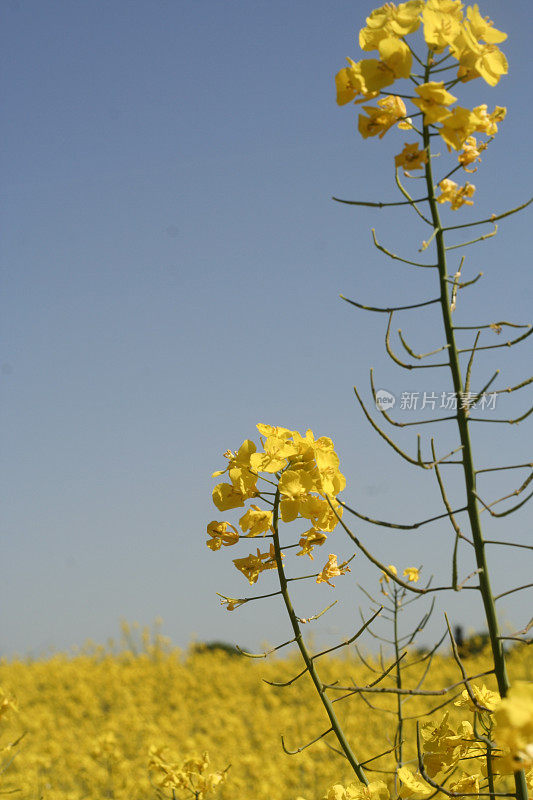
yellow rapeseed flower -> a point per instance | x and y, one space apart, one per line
222 533
380 120
454 194
226 496
478 60
413 786
376 790
514 727
483 27
256 520
434 99
231 603
385 578
332 570
442 23
390 21
251 566
411 157
310 539
483 696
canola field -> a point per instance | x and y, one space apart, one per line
94 724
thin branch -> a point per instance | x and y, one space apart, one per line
377 205
470 365
493 325
267 653
384 435
508 421
398 258
509 544
412 203
281 684
474 241
492 218
508 511
516 491
398 525
409 692
385 569
374 758
386 672
513 466
349 641
509 343
397 360
520 633
458 532
392 308
435 708
459 663
511 591
482 391
305 746
510 389
427 655
420 355
304 620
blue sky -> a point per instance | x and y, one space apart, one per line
172 265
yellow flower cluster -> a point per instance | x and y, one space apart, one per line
169 772
514 727
376 790
470 39
305 474
109 723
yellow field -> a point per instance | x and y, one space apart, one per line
90 720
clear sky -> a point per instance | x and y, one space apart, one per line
172 261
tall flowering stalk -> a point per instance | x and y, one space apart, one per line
297 477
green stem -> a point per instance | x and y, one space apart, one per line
309 663
467 455
399 699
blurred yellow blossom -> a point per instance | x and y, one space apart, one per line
413 786
169 773
514 727
376 790
385 578
483 696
